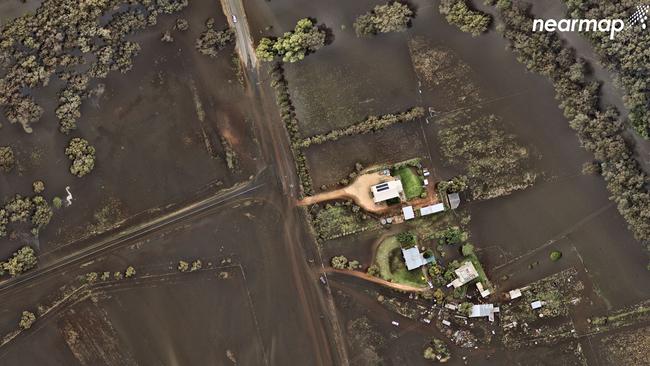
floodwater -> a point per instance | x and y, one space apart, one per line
149 132
564 210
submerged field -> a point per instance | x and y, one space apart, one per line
544 201
157 131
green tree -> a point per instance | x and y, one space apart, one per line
555 255
406 238
130 272
391 17
82 155
292 46
27 319
465 308
21 261
458 13
467 249
339 262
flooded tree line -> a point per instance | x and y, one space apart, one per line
600 131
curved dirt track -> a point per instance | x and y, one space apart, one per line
379 281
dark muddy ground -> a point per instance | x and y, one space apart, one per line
156 131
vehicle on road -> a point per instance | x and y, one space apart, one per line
234 19
395 323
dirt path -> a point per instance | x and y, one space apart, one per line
358 191
379 281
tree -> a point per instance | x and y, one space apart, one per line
211 41
354 264
183 266
465 308
373 270
196 265
118 275
451 236
42 214
339 262
130 272
555 255
82 155
92 277
57 202
21 261
292 46
392 17
406 238
38 186
7 159
467 249
27 319
458 13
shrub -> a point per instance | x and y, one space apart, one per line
392 17
373 270
57 202
292 46
7 159
82 155
130 272
211 41
339 262
406 238
196 265
555 255
465 308
21 261
458 13
467 249
38 186
27 319
183 266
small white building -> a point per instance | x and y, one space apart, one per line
482 291
408 213
536 304
413 258
454 200
430 210
387 190
483 310
466 272
513 294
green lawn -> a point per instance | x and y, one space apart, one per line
411 182
392 267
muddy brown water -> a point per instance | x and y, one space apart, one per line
564 210
147 133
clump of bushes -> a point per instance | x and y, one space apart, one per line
20 209
58 38
292 46
130 272
392 17
20 262
26 320
458 13
437 351
341 262
82 155
211 41
7 159
407 239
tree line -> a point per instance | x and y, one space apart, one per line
600 131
